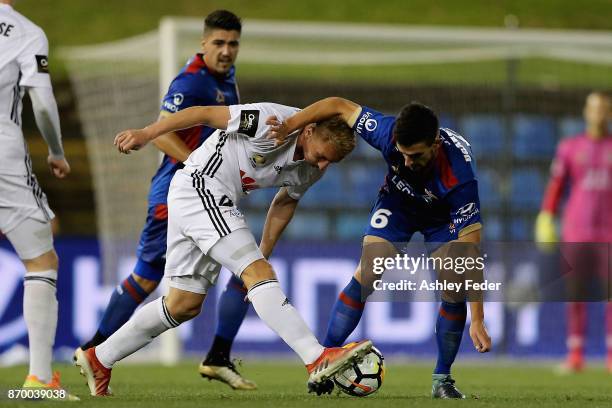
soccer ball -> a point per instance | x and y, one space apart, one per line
364 378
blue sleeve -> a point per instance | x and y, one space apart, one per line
464 205
375 128
181 95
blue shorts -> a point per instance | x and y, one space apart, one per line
152 246
394 219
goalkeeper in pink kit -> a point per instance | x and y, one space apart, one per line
583 165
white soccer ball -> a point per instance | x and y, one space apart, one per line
364 378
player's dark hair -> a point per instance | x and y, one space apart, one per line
223 20
336 131
415 123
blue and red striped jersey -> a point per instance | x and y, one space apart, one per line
195 85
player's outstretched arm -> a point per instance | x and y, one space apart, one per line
211 116
279 215
171 144
318 111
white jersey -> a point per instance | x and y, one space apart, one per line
23 63
241 159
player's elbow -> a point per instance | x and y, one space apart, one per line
340 104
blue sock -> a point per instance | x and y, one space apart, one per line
346 314
125 299
449 330
231 310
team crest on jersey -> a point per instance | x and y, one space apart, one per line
249 119
220 98
42 64
258 160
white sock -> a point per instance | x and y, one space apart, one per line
148 322
274 308
40 314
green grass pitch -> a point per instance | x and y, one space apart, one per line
282 384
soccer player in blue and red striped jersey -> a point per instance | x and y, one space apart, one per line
207 79
430 188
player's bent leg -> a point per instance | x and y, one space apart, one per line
148 322
449 331
126 297
231 310
274 308
450 325
348 309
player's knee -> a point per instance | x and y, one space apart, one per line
183 305
186 312
44 262
256 272
147 285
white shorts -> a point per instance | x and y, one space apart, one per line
25 215
204 235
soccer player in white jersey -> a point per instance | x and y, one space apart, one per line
25 215
206 230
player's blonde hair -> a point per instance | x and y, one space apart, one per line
336 132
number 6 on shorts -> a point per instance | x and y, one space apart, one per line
380 218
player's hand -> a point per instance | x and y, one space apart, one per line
545 231
278 130
132 139
480 337
59 167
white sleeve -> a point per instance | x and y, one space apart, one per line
297 192
34 62
47 119
250 119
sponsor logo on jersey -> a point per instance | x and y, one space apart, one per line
371 125
460 143
363 120
466 209
234 213
170 107
258 160
220 98
42 63
248 183
278 169
249 119
466 212
403 186
177 99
